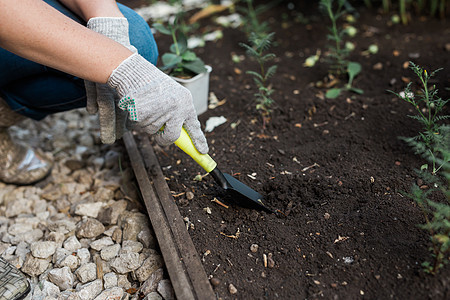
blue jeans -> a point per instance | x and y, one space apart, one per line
36 91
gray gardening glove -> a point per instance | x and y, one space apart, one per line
155 100
101 98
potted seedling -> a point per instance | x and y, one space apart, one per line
183 65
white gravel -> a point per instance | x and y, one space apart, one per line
81 233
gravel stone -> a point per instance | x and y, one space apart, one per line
90 290
151 284
56 237
117 235
62 226
43 249
89 228
147 238
126 262
62 277
102 243
166 290
112 293
89 209
72 243
47 290
149 266
71 261
19 229
110 213
34 266
87 272
17 207
122 281
109 280
131 246
133 224
109 232
110 252
84 256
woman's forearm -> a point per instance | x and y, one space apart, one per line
87 9
36 31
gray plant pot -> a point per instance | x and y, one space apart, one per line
199 88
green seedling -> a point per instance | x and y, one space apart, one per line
338 54
251 17
436 213
339 49
180 61
428 106
257 50
353 69
433 143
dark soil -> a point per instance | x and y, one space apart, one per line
334 169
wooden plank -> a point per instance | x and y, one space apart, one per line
187 249
183 263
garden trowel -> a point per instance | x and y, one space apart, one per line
241 194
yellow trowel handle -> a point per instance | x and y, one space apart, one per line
184 142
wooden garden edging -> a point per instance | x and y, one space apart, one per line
183 264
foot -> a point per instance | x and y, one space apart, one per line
13 284
21 164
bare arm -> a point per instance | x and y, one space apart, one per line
38 32
89 9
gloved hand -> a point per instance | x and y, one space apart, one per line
100 97
154 100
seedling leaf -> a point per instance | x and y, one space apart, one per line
170 59
333 93
356 90
255 74
195 66
161 28
353 69
189 56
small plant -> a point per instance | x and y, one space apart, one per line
259 44
428 106
353 69
436 214
250 17
180 61
338 54
434 145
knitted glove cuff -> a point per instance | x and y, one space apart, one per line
114 28
134 74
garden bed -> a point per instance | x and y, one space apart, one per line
334 168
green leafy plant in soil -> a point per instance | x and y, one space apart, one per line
338 54
257 49
259 43
429 107
251 16
180 61
433 143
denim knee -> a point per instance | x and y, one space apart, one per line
141 35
